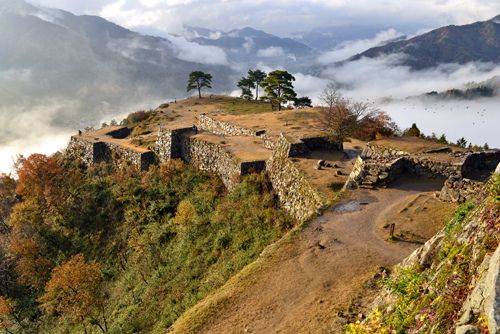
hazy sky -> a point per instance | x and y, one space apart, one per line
279 16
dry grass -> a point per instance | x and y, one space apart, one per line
413 144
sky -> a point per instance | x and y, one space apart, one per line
281 17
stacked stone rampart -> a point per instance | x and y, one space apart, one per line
208 123
379 166
458 189
88 151
212 157
212 125
480 161
295 193
169 142
92 151
122 156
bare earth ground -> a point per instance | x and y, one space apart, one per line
322 269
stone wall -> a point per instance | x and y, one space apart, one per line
372 151
295 193
87 151
215 158
458 189
210 124
169 142
90 152
222 128
122 156
378 173
378 166
424 166
481 161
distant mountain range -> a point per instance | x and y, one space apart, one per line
478 42
77 70
251 46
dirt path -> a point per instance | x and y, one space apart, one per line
321 270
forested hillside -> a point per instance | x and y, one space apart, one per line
101 251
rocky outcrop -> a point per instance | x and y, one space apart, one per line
485 297
459 274
295 193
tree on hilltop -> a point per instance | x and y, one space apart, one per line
343 118
279 87
256 76
246 85
330 96
198 80
302 102
413 131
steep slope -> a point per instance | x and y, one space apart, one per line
303 284
450 284
479 41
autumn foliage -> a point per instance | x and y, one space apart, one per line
74 291
5 312
150 244
38 175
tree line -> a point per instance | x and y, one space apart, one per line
278 86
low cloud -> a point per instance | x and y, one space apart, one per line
351 48
194 52
384 77
269 52
30 132
399 90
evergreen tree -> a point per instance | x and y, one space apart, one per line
256 76
442 139
246 85
302 102
462 142
279 87
198 80
413 131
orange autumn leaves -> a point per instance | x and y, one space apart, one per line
74 290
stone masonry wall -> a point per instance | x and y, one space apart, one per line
91 152
209 124
295 193
212 125
169 143
458 189
87 151
481 161
375 173
378 166
122 156
214 158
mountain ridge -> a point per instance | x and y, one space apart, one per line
450 44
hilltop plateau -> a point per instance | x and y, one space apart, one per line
220 215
